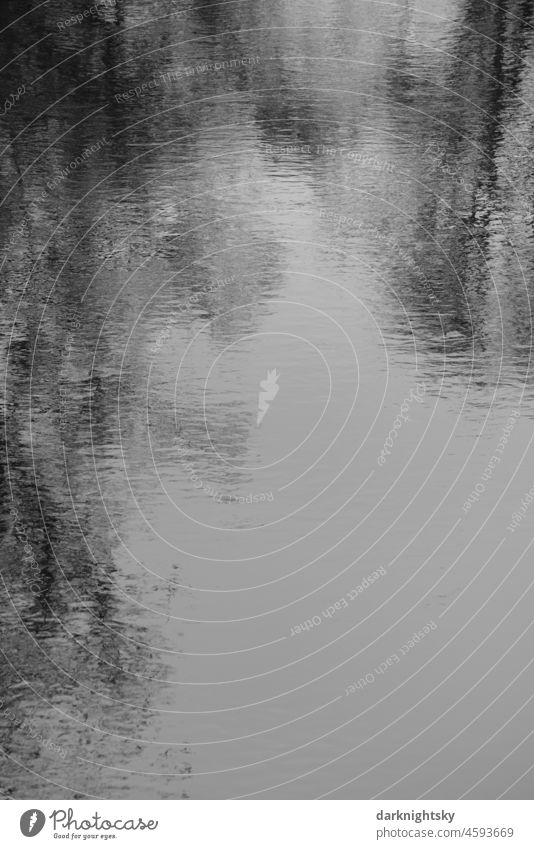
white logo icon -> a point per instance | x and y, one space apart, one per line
32 822
269 392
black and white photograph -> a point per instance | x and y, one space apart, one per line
267 420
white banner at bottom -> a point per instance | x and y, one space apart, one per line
269 824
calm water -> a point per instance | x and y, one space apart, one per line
338 194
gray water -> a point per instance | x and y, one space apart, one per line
338 194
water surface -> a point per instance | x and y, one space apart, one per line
338 191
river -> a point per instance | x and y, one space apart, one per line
265 335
